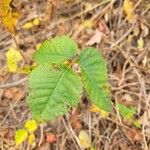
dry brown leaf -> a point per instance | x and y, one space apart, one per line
51 138
134 134
75 122
8 16
145 30
95 39
14 93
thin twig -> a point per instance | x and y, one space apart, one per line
70 130
12 84
94 17
8 113
79 14
123 37
41 137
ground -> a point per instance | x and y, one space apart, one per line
124 43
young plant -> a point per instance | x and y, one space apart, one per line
55 87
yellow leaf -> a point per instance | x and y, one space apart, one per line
86 24
128 8
20 136
27 25
84 139
30 24
13 56
31 125
31 139
140 43
103 113
92 148
36 21
8 16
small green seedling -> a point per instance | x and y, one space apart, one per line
55 87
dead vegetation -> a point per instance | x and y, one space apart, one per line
124 43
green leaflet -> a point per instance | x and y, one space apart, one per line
56 50
52 92
94 77
129 114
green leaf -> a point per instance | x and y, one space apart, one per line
95 78
53 91
56 50
20 136
129 114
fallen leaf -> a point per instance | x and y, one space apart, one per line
145 30
106 17
31 125
31 139
50 138
86 24
36 21
140 43
15 93
134 134
102 113
95 39
27 25
129 114
8 16
128 8
13 56
102 26
75 122
30 24
20 136
84 139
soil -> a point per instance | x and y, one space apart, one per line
124 43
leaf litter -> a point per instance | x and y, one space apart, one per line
128 63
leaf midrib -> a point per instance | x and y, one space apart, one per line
89 77
49 98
